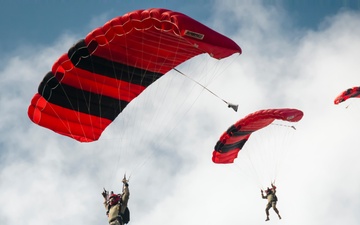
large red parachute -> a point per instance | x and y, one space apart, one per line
100 75
349 93
233 140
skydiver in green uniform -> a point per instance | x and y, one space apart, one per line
272 200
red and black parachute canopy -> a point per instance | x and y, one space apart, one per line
349 93
232 141
100 75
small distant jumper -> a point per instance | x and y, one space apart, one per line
272 200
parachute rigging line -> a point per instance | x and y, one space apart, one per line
230 105
283 125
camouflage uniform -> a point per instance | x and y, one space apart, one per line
272 200
115 212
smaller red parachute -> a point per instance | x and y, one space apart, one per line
232 141
349 93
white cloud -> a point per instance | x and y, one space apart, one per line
46 178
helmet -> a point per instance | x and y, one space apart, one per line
114 199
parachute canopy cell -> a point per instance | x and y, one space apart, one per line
89 86
349 93
233 140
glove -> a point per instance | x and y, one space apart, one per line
104 194
125 182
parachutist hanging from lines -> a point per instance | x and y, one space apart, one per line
116 205
232 141
270 195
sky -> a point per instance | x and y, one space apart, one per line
296 54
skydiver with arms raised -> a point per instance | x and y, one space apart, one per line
116 205
272 200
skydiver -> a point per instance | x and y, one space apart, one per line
272 200
116 205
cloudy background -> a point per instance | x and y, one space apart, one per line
295 54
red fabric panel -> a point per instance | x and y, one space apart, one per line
227 157
80 126
162 35
232 139
66 73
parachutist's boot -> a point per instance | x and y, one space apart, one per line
267 218
279 216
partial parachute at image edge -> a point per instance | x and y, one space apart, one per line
345 95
